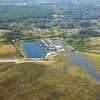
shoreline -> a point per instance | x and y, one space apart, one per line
30 60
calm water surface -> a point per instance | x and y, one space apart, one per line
79 59
33 49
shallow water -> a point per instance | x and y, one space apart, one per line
79 59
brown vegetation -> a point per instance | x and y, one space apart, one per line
43 81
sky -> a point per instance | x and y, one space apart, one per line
49 1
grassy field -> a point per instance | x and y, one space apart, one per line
94 43
2 32
95 40
7 50
94 58
44 81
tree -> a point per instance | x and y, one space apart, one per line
13 35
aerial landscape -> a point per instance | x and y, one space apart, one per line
49 49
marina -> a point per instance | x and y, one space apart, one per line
38 48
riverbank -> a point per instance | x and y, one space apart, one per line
30 60
80 59
94 58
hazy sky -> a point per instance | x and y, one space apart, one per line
43 1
